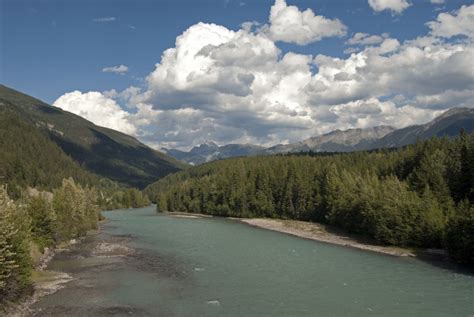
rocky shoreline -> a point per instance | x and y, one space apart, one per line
47 282
44 283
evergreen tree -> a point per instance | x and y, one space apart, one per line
43 220
15 262
460 234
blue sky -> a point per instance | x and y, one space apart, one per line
49 48
52 47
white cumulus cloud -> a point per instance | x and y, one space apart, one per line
238 86
236 80
97 108
289 24
461 22
396 6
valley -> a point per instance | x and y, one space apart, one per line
414 200
236 158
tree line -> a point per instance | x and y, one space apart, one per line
421 195
45 220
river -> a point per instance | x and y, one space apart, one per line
148 264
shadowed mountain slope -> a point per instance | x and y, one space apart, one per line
103 151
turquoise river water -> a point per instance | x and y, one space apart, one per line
220 267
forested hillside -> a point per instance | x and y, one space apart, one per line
99 150
29 158
421 195
30 225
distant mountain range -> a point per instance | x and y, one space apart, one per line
210 151
448 124
335 141
99 150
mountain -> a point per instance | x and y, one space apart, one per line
210 151
335 141
102 151
28 157
448 124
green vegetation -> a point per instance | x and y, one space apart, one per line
40 163
421 195
130 198
72 211
75 209
460 234
15 263
29 158
105 152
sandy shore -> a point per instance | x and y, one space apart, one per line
315 231
312 231
178 214
186 216
319 232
